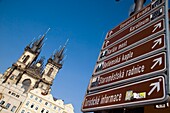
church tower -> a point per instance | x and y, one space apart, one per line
20 72
54 64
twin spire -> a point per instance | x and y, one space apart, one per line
37 45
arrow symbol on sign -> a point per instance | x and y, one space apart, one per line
157 61
155 85
107 43
156 26
158 41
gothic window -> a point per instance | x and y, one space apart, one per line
26 59
50 71
26 84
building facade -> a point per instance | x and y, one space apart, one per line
25 86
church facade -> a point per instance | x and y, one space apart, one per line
25 86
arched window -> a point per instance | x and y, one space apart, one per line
26 84
50 71
26 59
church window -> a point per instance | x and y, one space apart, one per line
8 105
13 108
26 59
50 71
23 111
23 57
26 84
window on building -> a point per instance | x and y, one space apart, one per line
32 105
47 111
23 111
31 96
26 84
40 100
8 105
36 98
13 108
36 108
50 71
46 103
2 102
12 77
42 111
26 59
27 103
55 107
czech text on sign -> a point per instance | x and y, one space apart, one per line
156 27
141 68
139 93
135 26
135 17
127 41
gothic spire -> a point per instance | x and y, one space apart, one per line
59 55
37 45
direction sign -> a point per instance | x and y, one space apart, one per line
145 33
135 17
134 27
142 68
132 53
127 41
139 93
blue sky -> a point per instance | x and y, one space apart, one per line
84 22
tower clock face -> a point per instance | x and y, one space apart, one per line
38 64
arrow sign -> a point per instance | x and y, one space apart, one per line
157 61
157 26
156 42
155 85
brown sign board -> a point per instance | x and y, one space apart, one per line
139 69
127 55
143 92
135 17
125 42
135 26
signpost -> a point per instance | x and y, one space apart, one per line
132 53
143 92
142 68
133 65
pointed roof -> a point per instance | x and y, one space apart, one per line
59 55
37 45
